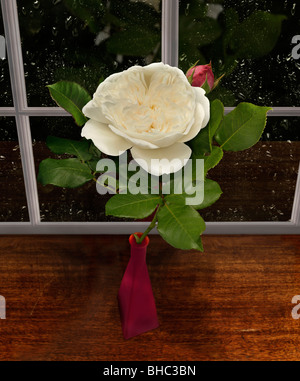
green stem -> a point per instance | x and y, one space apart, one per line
148 230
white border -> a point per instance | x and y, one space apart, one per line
170 10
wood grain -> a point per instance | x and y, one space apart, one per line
232 302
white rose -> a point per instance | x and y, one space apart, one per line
152 111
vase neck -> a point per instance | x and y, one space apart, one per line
138 250
138 253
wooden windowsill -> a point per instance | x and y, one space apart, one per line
232 302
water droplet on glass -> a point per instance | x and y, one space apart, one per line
68 22
187 9
54 31
182 57
36 4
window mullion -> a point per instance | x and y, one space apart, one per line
296 205
7 111
276 111
45 111
58 111
15 59
170 32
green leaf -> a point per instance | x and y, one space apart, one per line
66 173
212 193
213 159
198 32
93 165
72 97
223 94
95 157
180 226
201 144
71 147
206 86
257 35
134 41
191 76
216 117
242 127
132 205
199 244
94 151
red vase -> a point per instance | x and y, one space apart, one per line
136 300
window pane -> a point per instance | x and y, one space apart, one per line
5 93
84 41
259 184
250 41
13 206
62 204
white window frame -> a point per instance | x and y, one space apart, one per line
21 112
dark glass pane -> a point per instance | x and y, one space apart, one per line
250 41
5 93
84 41
62 204
13 205
259 184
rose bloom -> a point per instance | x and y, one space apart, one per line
201 74
151 110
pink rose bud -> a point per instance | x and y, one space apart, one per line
200 74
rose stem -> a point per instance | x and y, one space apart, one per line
150 227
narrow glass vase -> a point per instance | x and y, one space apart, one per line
136 301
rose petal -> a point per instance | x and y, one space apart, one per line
137 142
168 140
202 114
178 152
104 138
196 127
160 66
203 100
93 111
